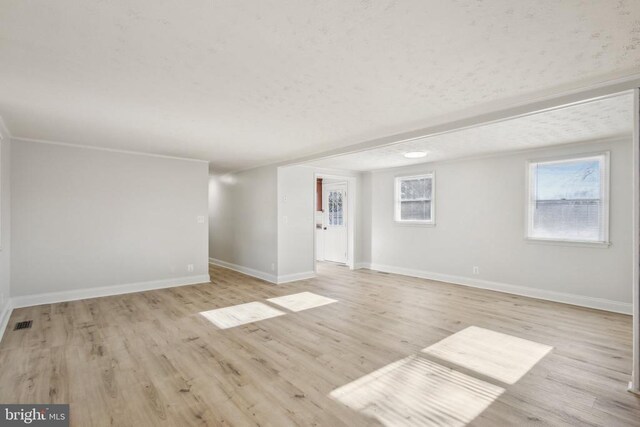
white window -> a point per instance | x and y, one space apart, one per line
414 199
569 200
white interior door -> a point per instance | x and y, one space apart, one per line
334 204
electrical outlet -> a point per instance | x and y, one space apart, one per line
476 269
200 219
190 268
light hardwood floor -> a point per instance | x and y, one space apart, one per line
150 359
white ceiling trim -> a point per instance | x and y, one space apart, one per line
504 112
605 117
112 150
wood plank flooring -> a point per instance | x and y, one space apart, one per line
150 358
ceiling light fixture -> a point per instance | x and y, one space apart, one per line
415 154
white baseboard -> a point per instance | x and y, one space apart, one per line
54 297
271 278
4 317
360 265
286 278
583 301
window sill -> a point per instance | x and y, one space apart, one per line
415 223
571 243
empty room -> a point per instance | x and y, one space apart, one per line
340 213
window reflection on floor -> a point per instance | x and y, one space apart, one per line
229 317
416 391
301 301
419 391
237 315
503 357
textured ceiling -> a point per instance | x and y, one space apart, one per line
601 119
242 83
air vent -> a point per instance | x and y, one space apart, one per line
23 325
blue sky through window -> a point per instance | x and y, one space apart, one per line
579 179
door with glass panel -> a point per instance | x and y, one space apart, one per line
334 204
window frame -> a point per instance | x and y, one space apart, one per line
396 200
604 158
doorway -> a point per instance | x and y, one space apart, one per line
334 220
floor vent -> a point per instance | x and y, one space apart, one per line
23 325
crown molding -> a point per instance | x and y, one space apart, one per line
111 150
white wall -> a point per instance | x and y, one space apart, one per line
480 221
296 194
243 223
85 218
248 230
364 231
5 223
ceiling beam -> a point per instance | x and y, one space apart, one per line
533 106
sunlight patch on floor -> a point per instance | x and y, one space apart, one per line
503 357
301 301
237 315
415 391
